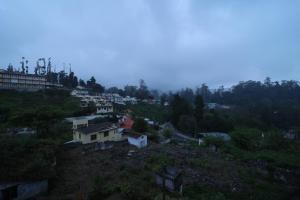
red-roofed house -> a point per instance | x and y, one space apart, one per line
126 122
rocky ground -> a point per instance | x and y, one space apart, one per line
76 171
127 177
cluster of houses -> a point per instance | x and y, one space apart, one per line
216 106
85 132
103 102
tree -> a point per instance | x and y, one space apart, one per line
204 92
92 80
45 118
140 125
248 139
163 98
268 82
82 83
154 94
75 82
187 124
198 112
130 90
167 133
62 78
179 107
94 86
112 90
143 92
91 107
10 68
98 88
143 85
214 122
187 94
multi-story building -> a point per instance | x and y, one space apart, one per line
104 108
21 81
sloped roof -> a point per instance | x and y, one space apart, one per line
134 134
97 127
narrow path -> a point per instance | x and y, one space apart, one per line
183 136
178 134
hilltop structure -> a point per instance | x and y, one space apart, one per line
42 78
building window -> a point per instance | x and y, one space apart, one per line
93 137
106 133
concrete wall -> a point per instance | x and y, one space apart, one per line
80 122
104 110
27 190
139 142
113 135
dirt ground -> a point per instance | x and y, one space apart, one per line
76 171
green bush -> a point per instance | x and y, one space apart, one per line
153 136
202 193
157 113
167 133
157 161
24 158
140 125
273 140
101 190
210 140
248 139
187 124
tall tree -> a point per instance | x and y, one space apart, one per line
187 94
94 86
179 107
143 92
82 83
130 90
199 107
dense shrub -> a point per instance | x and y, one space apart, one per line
248 139
210 140
140 125
187 124
26 158
167 133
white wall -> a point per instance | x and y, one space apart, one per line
139 142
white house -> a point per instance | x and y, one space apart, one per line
79 122
113 97
80 91
149 122
137 140
166 103
118 99
104 108
212 106
130 100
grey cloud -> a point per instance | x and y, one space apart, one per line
170 43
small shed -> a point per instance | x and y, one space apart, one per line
137 140
169 178
22 190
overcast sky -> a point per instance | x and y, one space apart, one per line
170 44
